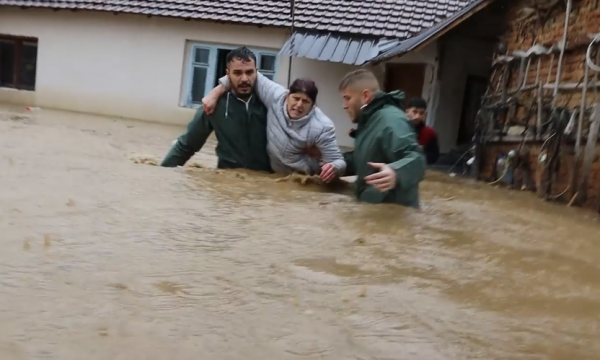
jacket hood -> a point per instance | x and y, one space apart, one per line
395 98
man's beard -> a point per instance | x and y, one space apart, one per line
243 89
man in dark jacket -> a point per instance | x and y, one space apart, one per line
239 121
426 136
387 160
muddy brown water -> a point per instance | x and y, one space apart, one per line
103 258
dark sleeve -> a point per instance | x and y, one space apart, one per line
404 154
198 130
432 150
350 166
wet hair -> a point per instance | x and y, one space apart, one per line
417 103
363 77
305 86
241 53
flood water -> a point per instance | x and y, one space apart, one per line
103 258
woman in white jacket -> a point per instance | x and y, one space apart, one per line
294 124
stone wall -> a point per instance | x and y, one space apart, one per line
524 28
562 180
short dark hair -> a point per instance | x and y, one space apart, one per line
241 53
418 103
305 86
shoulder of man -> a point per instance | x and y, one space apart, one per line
429 131
391 116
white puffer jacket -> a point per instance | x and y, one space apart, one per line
288 139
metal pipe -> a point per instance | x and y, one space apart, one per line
596 80
577 158
581 114
538 126
537 73
550 69
562 52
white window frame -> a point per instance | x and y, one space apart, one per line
212 68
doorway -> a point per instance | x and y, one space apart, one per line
474 90
406 77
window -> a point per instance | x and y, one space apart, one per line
18 62
208 64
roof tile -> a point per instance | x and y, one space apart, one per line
393 18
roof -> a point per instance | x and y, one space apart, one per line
251 12
347 49
384 18
432 33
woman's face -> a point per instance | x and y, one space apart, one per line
298 105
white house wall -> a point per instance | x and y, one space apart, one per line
124 65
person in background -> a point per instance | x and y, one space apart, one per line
294 124
239 121
387 160
426 136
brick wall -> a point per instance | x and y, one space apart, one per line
521 33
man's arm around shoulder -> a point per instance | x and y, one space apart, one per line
198 130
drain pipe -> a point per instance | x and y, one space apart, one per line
562 53
292 29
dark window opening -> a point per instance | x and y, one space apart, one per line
221 64
18 62
474 90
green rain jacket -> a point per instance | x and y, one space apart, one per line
384 135
241 130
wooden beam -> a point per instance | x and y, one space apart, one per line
453 24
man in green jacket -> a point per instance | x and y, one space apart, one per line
387 159
239 121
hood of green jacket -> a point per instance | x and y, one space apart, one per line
395 98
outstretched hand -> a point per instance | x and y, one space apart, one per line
384 179
208 104
327 172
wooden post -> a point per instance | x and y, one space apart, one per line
590 154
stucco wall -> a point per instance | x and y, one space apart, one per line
123 65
